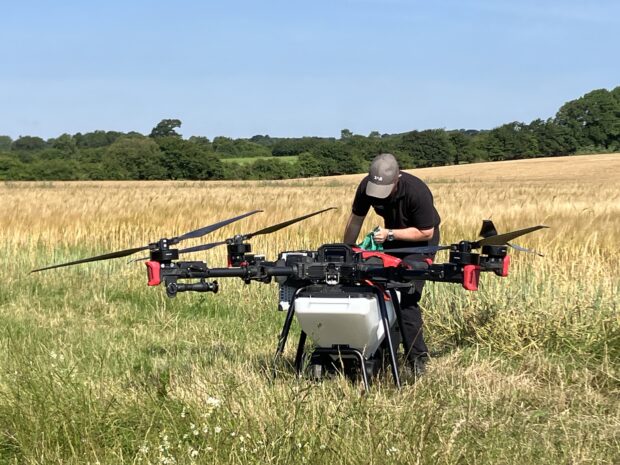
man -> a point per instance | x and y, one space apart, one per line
410 220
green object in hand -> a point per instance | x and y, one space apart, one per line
369 241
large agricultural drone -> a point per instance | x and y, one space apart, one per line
345 298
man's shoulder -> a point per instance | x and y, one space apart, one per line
411 181
361 188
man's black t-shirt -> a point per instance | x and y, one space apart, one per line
410 206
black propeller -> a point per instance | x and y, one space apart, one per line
490 237
488 230
175 240
245 237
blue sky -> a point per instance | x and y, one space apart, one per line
292 68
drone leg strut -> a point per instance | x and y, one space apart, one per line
300 352
388 336
399 314
285 329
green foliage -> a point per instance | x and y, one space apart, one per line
134 158
589 124
185 160
65 144
263 140
511 141
202 142
166 128
295 146
552 138
336 158
28 143
462 146
236 148
96 139
13 169
5 142
593 119
428 148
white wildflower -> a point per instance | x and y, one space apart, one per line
217 430
213 402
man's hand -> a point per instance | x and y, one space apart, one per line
381 235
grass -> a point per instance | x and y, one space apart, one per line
97 368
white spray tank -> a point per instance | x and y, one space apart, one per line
343 316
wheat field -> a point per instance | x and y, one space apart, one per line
96 367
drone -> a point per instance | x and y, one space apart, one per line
346 299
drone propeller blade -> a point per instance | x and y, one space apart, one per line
523 249
502 239
198 248
277 227
488 229
107 256
421 250
208 229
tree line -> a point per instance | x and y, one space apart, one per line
589 124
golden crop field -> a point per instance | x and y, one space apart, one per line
98 368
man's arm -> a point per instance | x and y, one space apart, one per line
407 234
352 230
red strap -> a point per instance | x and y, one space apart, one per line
386 295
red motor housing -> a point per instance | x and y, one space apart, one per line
505 266
153 271
471 276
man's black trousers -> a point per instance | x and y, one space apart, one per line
413 334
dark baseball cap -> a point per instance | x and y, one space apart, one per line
382 176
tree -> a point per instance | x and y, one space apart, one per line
65 144
345 134
28 143
202 142
511 141
12 169
5 142
594 119
428 148
96 138
134 158
166 128
184 160
337 158
552 138
462 147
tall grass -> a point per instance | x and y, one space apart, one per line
97 368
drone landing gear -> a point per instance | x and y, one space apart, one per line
349 360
